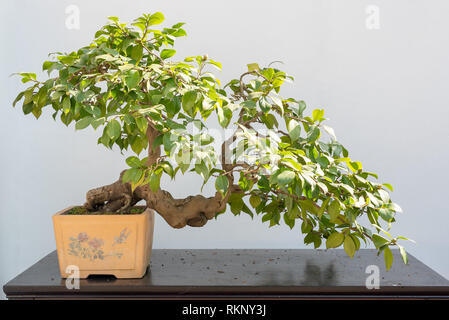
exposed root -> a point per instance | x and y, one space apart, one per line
115 197
194 211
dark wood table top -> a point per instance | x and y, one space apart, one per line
242 273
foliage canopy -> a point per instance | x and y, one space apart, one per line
126 81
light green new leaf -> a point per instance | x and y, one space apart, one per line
224 116
253 67
317 114
294 129
167 53
137 52
388 255
156 18
155 181
403 254
335 240
349 246
286 177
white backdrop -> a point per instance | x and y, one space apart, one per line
384 87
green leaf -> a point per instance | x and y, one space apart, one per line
132 175
137 52
301 108
335 240
189 100
330 131
334 210
379 241
384 195
93 110
167 53
132 79
156 18
27 107
37 112
314 134
264 105
155 181
17 99
202 170
133 162
47 65
66 105
254 200
289 221
286 177
205 139
142 124
403 254
222 184
323 207
354 165
306 227
83 123
386 214
388 255
253 67
294 129
137 145
389 186
317 114
113 129
224 116
216 64
349 246
294 212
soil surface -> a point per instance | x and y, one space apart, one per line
80 210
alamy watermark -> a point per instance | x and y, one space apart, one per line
372 21
373 280
72 20
73 280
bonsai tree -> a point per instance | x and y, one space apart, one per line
274 162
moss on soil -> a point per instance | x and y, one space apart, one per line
83 211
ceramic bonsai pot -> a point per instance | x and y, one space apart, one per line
106 244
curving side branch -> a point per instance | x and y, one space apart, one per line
194 211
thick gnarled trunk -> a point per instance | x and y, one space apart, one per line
194 211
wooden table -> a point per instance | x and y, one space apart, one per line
240 274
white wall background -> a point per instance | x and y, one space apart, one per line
386 92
